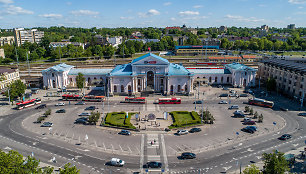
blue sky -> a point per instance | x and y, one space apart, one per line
153 13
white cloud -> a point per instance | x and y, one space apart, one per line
51 15
14 10
6 1
69 3
301 13
243 19
300 7
126 18
188 13
151 12
297 1
197 6
167 3
172 19
84 13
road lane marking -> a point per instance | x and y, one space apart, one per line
164 152
141 153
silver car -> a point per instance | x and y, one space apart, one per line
84 114
182 132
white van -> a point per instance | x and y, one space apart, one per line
234 107
116 162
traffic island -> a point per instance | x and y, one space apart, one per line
118 120
184 119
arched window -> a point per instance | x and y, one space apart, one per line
227 79
209 79
178 88
221 79
122 88
129 88
88 80
216 79
186 88
52 74
115 88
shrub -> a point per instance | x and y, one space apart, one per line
40 119
183 118
48 112
119 119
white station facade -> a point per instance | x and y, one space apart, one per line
150 73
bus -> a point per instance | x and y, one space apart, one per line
28 103
93 98
169 101
71 97
261 102
141 100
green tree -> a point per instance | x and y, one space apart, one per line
252 170
80 80
251 111
247 108
94 117
275 163
255 115
17 89
69 170
260 118
271 84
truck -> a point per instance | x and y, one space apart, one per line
116 162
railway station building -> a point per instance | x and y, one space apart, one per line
150 74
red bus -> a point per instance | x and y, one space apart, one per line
169 101
135 100
93 98
261 102
25 104
71 97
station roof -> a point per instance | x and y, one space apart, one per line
59 68
90 71
238 66
175 69
209 71
151 55
122 70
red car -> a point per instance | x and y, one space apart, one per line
249 123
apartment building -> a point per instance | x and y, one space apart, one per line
7 76
290 76
21 36
6 40
62 44
2 53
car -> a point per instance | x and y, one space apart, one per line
188 155
91 108
80 103
219 86
124 132
248 130
61 111
232 91
222 102
83 118
195 129
223 95
60 104
84 114
234 95
302 114
252 127
249 122
285 137
283 109
225 88
41 106
46 124
239 115
243 95
182 132
197 102
80 121
233 107
250 91
116 162
154 164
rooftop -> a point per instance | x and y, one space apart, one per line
89 71
286 64
238 66
122 70
152 55
210 71
60 68
6 70
175 69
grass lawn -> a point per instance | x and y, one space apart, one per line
184 118
119 119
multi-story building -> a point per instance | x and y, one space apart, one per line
33 36
7 76
193 50
290 76
114 41
291 26
144 40
223 29
62 44
6 40
2 53
265 27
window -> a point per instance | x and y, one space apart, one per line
209 79
115 88
122 88
95 78
186 88
227 79
216 79
245 73
301 86
221 79
70 79
138 89
138 82
289 82
52 74
162 81
179 88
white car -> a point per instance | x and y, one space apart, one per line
60 104
182 132
84 114
223 102
116 162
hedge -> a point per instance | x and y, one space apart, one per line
119 119
184 118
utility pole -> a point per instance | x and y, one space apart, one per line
59 52
9 95
195 102
202 111
28 64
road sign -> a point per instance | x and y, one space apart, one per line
274 123
237 133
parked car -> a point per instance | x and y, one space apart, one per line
188 155
46 124
91 108
198 102
225 88
84 114
41 106
233 95
116 162
283 109
246 119
124 132
248 130
285 137
252 127
222 102
232 91
154 164
60 104
80 121
233 107
80 103
219 86
249 123
302 114
195 129
84 118
182 132
223 95
243 95
61 111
